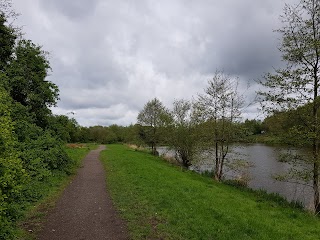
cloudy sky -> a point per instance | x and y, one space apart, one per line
109 57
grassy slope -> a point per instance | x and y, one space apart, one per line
51 189
163 202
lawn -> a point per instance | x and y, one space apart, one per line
161 201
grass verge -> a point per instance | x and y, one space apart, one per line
51 190
161 201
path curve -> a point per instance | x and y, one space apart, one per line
85 210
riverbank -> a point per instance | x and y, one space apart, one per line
264 139
161 201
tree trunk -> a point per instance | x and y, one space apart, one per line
315 116
315 144
221 166
316 186
185 159
315 147
216 170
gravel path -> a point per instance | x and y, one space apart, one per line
85 210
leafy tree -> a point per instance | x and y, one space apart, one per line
7 41
284 125
98 134
111 134
252 127
117 131
153 116
298 83
183 136
82 134
131 134
27 84
63 127
220 107
276 123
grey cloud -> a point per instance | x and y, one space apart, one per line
110 57
244 44
76 10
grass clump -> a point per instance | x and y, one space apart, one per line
160 201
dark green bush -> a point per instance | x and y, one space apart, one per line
43 155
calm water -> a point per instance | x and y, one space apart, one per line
264 159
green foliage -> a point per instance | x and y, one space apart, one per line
294 126
45 152
27 85
12 174
82 135
10 166
131 135
63 127
182 135
252 127
152 119
101 134
7 41
108 134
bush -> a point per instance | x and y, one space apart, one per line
43 155
12 174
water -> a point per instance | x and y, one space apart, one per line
266 164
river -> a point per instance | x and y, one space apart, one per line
264 159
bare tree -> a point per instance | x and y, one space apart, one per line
183 137
220 107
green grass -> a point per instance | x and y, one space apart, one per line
51 190
161 201
77 154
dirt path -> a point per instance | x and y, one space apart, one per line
85 210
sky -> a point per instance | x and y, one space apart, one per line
109 57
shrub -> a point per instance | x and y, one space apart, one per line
43 155
12 174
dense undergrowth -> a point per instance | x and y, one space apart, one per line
161 201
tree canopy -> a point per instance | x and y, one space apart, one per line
28 86
152 117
